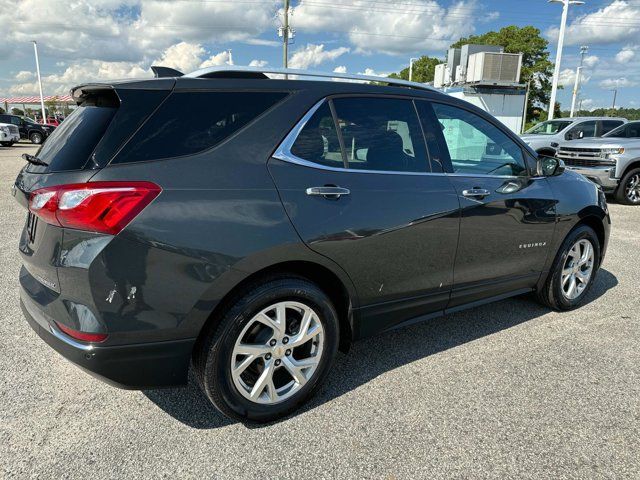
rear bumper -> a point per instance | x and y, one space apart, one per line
138 366
603 176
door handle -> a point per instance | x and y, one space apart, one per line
476 192
328 191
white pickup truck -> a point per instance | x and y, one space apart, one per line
613 161
545 137
9 134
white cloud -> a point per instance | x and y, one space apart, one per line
426 26
624 55
313 55
568 78
258 63
222 58
591 60
621 82
617 22
81 72
24 75
340 69
182 56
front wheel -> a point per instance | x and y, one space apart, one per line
269 351
628 191
36 138
573 270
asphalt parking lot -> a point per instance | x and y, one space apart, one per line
506 390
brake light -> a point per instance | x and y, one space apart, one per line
82 336
105 207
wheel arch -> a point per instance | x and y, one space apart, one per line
632 164
342 298
595 223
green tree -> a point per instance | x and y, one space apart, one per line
536 66
423 70
17 111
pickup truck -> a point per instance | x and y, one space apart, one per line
545 137
9 134
613 161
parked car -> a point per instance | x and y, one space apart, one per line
9 134
29 128
613 161
251 227
50 121
545 137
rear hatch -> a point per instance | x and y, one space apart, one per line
84 143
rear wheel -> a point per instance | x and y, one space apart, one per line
7 144
36 138
573 270
628 191
269 351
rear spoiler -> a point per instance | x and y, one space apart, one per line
80 92
164 72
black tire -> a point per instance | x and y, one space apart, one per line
36 137
623 194
213 354
552 294
7 144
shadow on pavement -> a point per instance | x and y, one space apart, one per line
190 406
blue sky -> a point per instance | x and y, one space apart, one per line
84 40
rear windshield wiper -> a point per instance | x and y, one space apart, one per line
34 160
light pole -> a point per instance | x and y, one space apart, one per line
44 114
576 87
411 60
615 95
556 71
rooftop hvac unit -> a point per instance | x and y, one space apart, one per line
438 76
459 75
494 68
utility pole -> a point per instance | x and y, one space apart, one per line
44 113
285 36
411 60
576 87
556 71
526 103
615 94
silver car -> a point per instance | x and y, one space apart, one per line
613 161
545 137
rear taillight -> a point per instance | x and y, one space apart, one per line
82 336
105 207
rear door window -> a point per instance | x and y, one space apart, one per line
582 130
191 122
381 134
318 141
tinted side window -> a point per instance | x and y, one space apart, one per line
582 130
191 122
4 119
381 134
16 121
633 130
318 141
608 125
477 146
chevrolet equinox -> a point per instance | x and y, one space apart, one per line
248 227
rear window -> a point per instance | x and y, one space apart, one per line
191 122
71 144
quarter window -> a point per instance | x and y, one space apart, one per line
190 122
476 146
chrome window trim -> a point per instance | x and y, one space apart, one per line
283 152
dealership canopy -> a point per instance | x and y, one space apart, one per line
36 99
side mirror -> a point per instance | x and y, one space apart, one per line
550 166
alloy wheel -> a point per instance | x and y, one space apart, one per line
577 270
632 188
277 352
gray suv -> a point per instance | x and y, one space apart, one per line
248 227
613 161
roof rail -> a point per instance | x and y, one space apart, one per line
252 71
